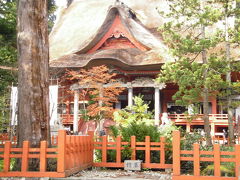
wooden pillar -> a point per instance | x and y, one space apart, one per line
75 113
214 105
157 106
188 127
130 96
212 129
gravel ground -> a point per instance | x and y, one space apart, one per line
121 174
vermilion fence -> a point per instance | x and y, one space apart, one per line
72 154
104 146
197 156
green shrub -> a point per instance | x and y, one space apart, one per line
227 169
190 138
138 113
140 130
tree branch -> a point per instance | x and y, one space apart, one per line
8 68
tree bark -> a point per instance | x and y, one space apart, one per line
205 91
228 80
236 29
33 80
206 104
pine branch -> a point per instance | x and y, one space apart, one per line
8 68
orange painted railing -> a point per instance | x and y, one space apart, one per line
134 146
72 154
197 156
75 153
5 137
199 117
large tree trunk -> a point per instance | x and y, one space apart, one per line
33 84
205 93
236 29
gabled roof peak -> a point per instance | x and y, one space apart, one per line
128 10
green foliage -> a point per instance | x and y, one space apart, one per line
13 161
8 51
4 113
183 35
227 169
138 113
207 168
134 121
51 16
8 39
140 130
191 138
1 165
52 164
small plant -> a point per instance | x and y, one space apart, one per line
190 138
138 113
226 170
1 165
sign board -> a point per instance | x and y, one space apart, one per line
132 165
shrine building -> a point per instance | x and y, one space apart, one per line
111 34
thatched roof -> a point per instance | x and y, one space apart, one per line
84 23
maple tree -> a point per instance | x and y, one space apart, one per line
101 89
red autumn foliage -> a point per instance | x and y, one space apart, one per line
100 85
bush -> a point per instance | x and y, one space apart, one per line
140 130
138 113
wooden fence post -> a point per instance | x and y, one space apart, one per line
68 153
162 151
133 147
216 153
104 149
75 149
81 150
71 152
147 150
78 151
196 159
43 159
6 156
118 149
61 151
25 154
237 160
91 134
176 153
88 149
